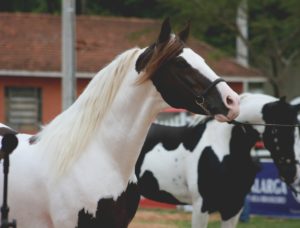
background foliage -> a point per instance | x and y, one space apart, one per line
274 26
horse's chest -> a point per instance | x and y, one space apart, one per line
84 190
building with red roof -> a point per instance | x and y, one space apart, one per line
30 61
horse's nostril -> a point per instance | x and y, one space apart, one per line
229 101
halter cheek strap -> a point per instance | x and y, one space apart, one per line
200 97
206 91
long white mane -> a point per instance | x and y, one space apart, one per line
65 137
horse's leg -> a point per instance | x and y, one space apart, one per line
232 222
199 219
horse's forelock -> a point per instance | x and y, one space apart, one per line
161 54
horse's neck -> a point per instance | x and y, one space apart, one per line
252 113
251 109
125 126
217 136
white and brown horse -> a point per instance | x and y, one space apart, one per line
208 164
79 170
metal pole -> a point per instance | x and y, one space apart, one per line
9 143
68 53
242 24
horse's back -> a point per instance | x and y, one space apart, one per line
161 167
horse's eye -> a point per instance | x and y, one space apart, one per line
181 63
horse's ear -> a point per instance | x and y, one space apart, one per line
184 34
165 31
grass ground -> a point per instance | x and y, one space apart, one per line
155 218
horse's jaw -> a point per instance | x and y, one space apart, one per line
228 118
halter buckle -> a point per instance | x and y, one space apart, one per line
201 103
200 100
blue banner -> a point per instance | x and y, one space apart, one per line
272 197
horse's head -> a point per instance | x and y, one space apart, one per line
283 142
183 78
281 133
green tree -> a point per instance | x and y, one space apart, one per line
275 30
48 6
127 8
137 8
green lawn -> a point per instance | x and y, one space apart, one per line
264 222
177 219
255 222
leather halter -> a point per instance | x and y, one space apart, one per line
199 98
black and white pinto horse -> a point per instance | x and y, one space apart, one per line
79 170
208 164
